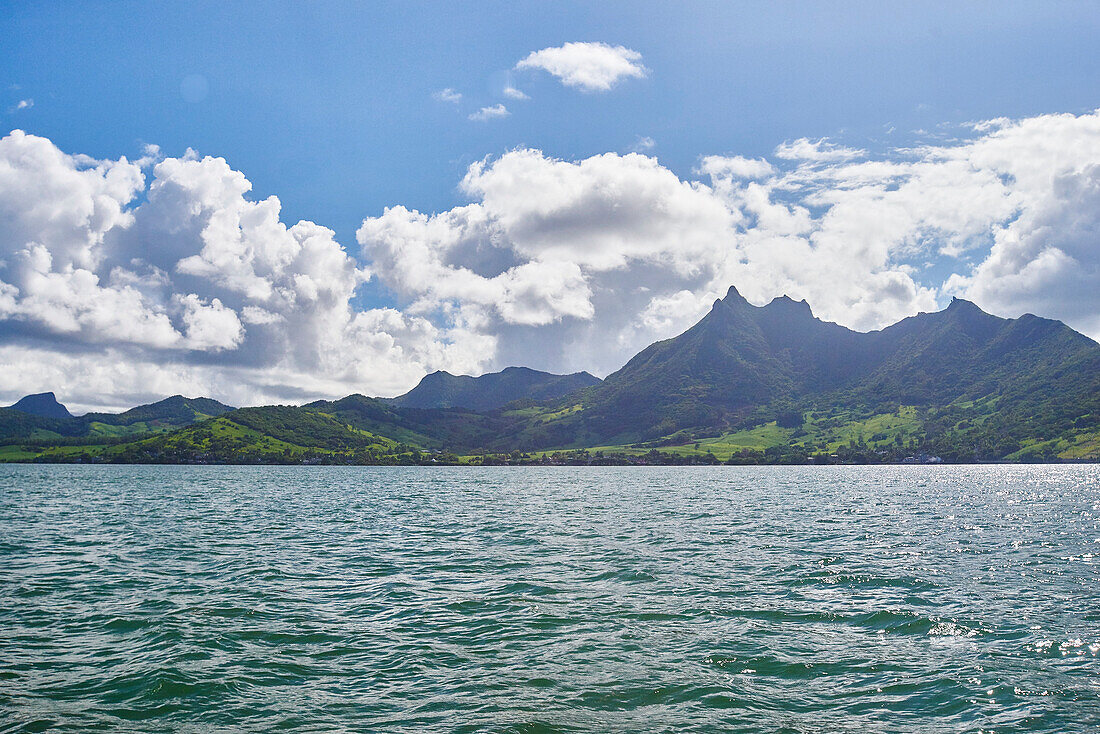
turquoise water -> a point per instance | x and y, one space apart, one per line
802 599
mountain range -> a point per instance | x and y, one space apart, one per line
746 384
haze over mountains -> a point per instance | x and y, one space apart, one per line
769 383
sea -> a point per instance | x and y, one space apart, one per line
550 599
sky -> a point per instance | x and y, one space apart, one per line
282 202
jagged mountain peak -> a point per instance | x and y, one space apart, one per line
732 299
962 305
733 294
788 305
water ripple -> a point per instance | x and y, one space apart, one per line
526 600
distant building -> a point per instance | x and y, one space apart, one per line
922 459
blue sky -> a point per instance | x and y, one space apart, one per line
334 108
328 105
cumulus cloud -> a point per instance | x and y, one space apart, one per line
24 104
590 67
512 93
490 113
1046 258
209 325
66 204
188 277
164 275
448 95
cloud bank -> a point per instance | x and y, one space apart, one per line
124 281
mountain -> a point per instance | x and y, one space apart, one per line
493 390
738 357
1000 383
43 404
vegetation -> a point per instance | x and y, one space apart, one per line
93 428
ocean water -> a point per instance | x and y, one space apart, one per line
773 599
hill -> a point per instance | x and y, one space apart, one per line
172 412
352 430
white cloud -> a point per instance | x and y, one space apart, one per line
1045 258
547 242
644 143
210 325
721 167
65 203
24 104
71 303
599 212
816 150
448 95
490 113
512 93
590 67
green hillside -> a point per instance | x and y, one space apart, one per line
277 434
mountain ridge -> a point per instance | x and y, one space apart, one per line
492 390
